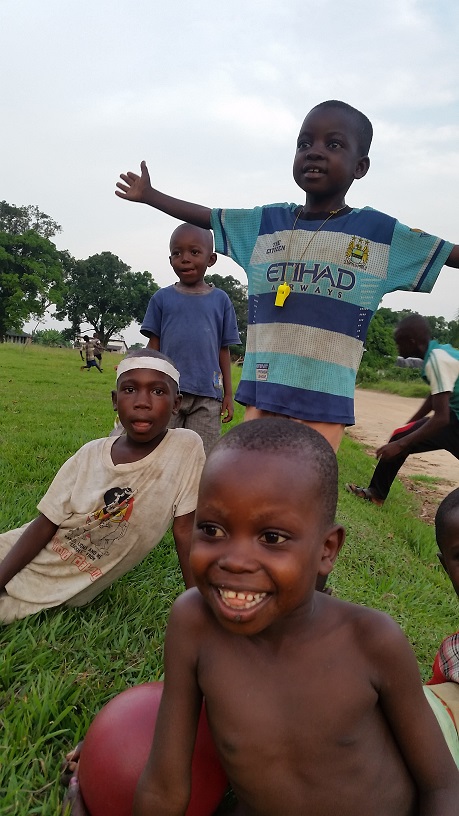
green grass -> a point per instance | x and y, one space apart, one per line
416 388
58 668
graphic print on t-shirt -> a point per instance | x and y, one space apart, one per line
104 526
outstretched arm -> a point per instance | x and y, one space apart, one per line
227 411
438 420
138 188
453 259
28 545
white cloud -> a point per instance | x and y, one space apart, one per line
212 96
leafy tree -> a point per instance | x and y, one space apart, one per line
31 278
18 220
237 292
103 292
380 337
454 332
51 337
440 328
136 346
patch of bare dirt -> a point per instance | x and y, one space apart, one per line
377 415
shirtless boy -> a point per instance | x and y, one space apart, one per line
315 705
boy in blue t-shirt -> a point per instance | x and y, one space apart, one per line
316 272
194 323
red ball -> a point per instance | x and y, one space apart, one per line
116 748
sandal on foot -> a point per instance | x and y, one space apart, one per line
364 493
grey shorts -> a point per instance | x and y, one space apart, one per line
202 415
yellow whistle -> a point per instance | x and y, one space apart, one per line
282 294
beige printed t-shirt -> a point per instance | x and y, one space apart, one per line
109 516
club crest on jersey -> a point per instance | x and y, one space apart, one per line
357 252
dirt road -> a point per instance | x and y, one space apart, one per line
377 415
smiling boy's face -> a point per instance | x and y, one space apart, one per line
145 400
260 538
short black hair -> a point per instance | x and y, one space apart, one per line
293 438
449 505
206 234
416 324
363 126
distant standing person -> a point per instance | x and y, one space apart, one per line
90 355
194 323
440 430
98 348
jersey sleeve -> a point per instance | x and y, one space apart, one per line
153 316
416 259
193 458
442 371
236 232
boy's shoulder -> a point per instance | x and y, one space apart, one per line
371 628
186 445
185 436
190 612
93 446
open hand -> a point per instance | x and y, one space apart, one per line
135 188
227 410
390 450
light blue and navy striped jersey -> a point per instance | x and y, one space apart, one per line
302 358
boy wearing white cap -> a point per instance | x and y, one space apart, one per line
111 503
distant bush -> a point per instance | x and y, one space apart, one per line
51 337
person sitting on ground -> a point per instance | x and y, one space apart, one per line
444 682
91 362
435 426
325 711
195 323
111 503
316 273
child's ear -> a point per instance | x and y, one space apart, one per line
177 403
212 259
114 400
331 548
362 167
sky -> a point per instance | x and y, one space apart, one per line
212 95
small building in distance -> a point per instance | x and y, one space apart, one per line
19 337
117 344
